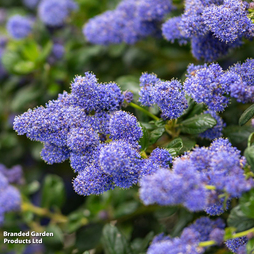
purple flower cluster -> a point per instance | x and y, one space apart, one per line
131 21
213 27
242 85
237 245
203 229
168 95
13 175
87 127
19 27
220 165
54 12
10 199
208 84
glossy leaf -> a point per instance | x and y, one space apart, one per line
246 115
198 124
249 155
239 220
114 242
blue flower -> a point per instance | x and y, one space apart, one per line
19 27
206 85
54 12
121 161
171 31
229 21
242 85
125 126
235 244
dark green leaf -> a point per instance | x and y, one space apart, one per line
126 208
238 134
175 146
75 221
53 191
156 134
249 155
198 124
188 143
55 242
141 245
197 110
239 220
250 246
144 141
247 204
88 237
247 115
114 242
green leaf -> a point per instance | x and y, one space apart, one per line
197 110
114 242
237 134
88 237
188 143
24 96
246 115
249 155
24 67
250 246
141 245
56 241
126 208
156 134
53 191
30 51
45 52
198 124
130 83
144 141
9 59
239 220
247 204
175 146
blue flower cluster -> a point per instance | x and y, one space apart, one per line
213 27
10 199
237 245
166 94
131 21
13 175
203 229
54 12
242 85
220 165
209 84
19 27
88 127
